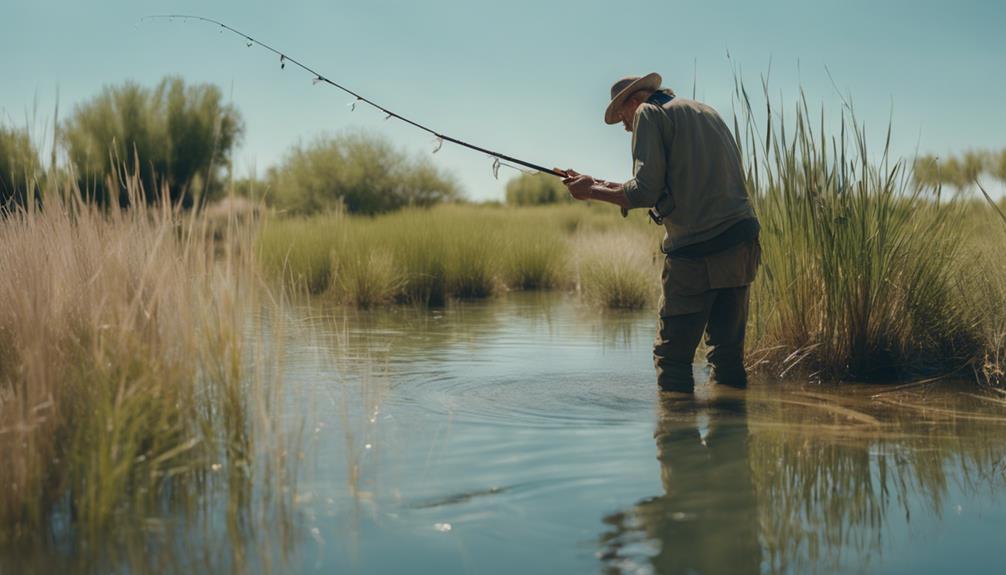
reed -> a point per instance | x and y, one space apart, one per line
861 274
126 389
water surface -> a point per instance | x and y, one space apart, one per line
526 435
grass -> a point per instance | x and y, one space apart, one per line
984 290
126 389
453 251
862 273
617 270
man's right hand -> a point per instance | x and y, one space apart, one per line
579 185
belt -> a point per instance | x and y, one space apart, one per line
743 231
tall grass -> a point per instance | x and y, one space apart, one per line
862 268
619 270
127 392
985 287
429 256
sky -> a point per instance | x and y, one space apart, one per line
526 78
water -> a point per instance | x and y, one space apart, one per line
525 435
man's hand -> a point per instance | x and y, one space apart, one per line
579 185
583 187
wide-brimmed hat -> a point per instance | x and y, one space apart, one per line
624 88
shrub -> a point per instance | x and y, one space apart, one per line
174 136
363 173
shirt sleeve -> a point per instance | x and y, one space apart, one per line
649 159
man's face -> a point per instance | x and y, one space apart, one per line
628 111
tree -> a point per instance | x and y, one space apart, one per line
926 171
962 172
19 168
535 189
997 165
357 171
172 137
959 172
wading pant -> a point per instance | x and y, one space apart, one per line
705 295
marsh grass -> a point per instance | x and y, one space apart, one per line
618 270
984 289
129 394
366 279
862 269
429 256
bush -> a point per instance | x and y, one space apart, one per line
19 168
535 189
362 173
173 136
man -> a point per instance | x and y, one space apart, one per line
687 169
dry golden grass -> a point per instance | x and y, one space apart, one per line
128 387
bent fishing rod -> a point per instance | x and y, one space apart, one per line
498 158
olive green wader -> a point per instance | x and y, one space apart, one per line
687 168
705 294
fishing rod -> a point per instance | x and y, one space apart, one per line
498 158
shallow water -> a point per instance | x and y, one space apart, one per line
526 435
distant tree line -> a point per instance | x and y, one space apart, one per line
178 139
960 171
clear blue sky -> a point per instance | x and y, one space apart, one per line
528 78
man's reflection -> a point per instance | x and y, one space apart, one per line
707 519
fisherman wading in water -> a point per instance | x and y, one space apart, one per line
686 168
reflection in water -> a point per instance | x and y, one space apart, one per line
707 519
779 479
842 477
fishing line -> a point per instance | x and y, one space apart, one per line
498 158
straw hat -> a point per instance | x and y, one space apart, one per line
624 88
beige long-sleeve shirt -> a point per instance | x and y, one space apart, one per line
683 147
